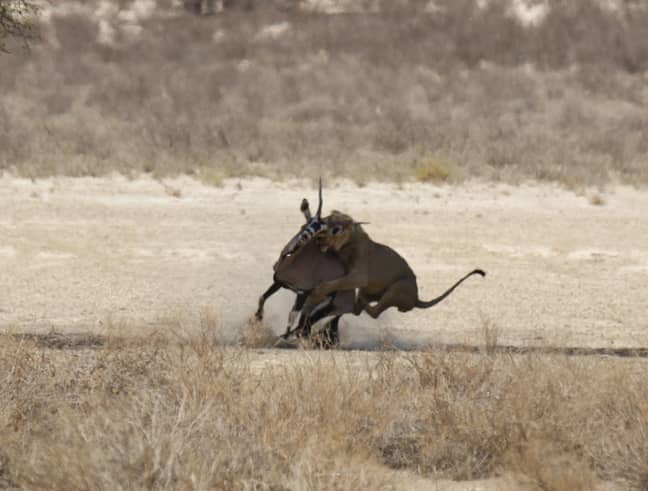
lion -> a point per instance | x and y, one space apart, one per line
376 271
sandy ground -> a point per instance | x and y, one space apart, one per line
81 254
88 255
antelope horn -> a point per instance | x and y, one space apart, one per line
319 208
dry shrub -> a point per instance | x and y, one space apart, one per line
597 199
16 23
193 416
550 466
491 332
187 413
256 334
211 177
536 416
561 101
432 170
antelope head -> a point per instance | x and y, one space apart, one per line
314 225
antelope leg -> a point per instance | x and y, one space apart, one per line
306 320
262 299
297 306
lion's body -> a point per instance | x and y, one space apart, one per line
377 271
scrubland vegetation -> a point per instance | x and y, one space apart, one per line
385 91
182 412
443 94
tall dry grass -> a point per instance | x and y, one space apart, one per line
184 413
363 95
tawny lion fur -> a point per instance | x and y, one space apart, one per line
378 272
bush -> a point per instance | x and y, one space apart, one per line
208 95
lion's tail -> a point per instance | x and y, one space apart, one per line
425 305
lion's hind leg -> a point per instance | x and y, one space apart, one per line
401 294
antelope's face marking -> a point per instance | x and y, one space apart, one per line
313 226
306 233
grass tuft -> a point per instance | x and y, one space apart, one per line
597 199
185 412
432 170
256 334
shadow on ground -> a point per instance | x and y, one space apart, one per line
82 340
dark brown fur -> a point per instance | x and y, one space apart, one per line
301 269
378 272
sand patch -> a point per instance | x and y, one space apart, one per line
593 254
7 251
113 245
520 251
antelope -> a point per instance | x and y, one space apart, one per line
301 267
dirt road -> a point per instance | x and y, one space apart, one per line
80 254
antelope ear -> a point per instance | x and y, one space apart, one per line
305 209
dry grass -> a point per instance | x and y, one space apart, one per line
491 332
366 96
432 170
597 199
255 334
186 413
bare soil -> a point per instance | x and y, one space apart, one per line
89 254
92 268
